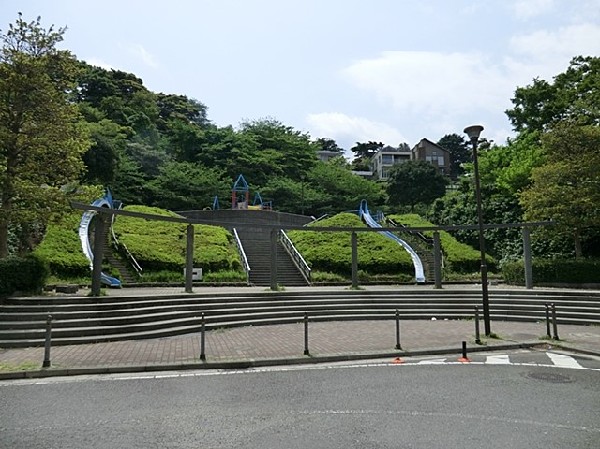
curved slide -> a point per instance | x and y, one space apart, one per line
364 214
84 236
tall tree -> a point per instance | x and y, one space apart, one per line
414 182
574 96
326 144
459 150
41 136
567 188
363 153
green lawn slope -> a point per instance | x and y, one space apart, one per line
332 251
458 257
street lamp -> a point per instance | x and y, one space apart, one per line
473 132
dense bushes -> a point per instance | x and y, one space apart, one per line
25 274
332 251
458 257
554 271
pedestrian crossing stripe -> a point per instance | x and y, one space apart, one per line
556 360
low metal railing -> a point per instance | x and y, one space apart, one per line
243 257
295 255
120 246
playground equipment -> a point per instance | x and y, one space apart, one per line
84 236
240 197
364 214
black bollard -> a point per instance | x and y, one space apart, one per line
477 336
48 343
554 325
306 334
464 350
202 338
398 330
548 320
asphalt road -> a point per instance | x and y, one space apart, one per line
513 401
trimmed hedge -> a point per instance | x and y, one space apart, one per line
569 271
160 245
24 274
332 251
458 257
61 248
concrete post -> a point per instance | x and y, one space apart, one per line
274 235
189 258
527 258
354 260
100 222
437 259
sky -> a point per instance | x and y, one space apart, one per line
391 71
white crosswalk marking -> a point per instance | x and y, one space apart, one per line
501 359
564 361
433 362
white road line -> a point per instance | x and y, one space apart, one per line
564 361
501 359
433 362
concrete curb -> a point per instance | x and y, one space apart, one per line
258 363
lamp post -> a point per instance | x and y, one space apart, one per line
473 132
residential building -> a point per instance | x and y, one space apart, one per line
386 158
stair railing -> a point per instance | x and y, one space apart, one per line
243 257
295 255
122 246
420 235
322 217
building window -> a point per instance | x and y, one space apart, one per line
388 159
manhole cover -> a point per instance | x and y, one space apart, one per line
549 377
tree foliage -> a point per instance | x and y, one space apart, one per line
573 96
41 134
567 188
460 153
414 182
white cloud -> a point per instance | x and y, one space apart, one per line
347 130
566 42
433 85
526 9
99 63
140 53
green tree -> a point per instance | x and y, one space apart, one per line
573 95
187 186
567 188
326 144
460 153
414 182
363 153
41 134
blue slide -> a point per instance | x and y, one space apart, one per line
364 214
84 236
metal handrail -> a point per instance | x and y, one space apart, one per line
296 256
240 248
118 244
322 217
419 234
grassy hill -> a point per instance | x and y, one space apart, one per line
331 252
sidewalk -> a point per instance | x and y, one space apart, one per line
284 344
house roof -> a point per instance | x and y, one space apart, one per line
429 142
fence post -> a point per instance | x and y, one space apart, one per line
548 320
554 325
477 336
306 334
354 244
202 338
437 259
47 363
398 330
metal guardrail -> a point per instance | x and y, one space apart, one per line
120 245
240 248
296 256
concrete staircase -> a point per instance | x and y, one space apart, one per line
256 242
257 246
88 320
